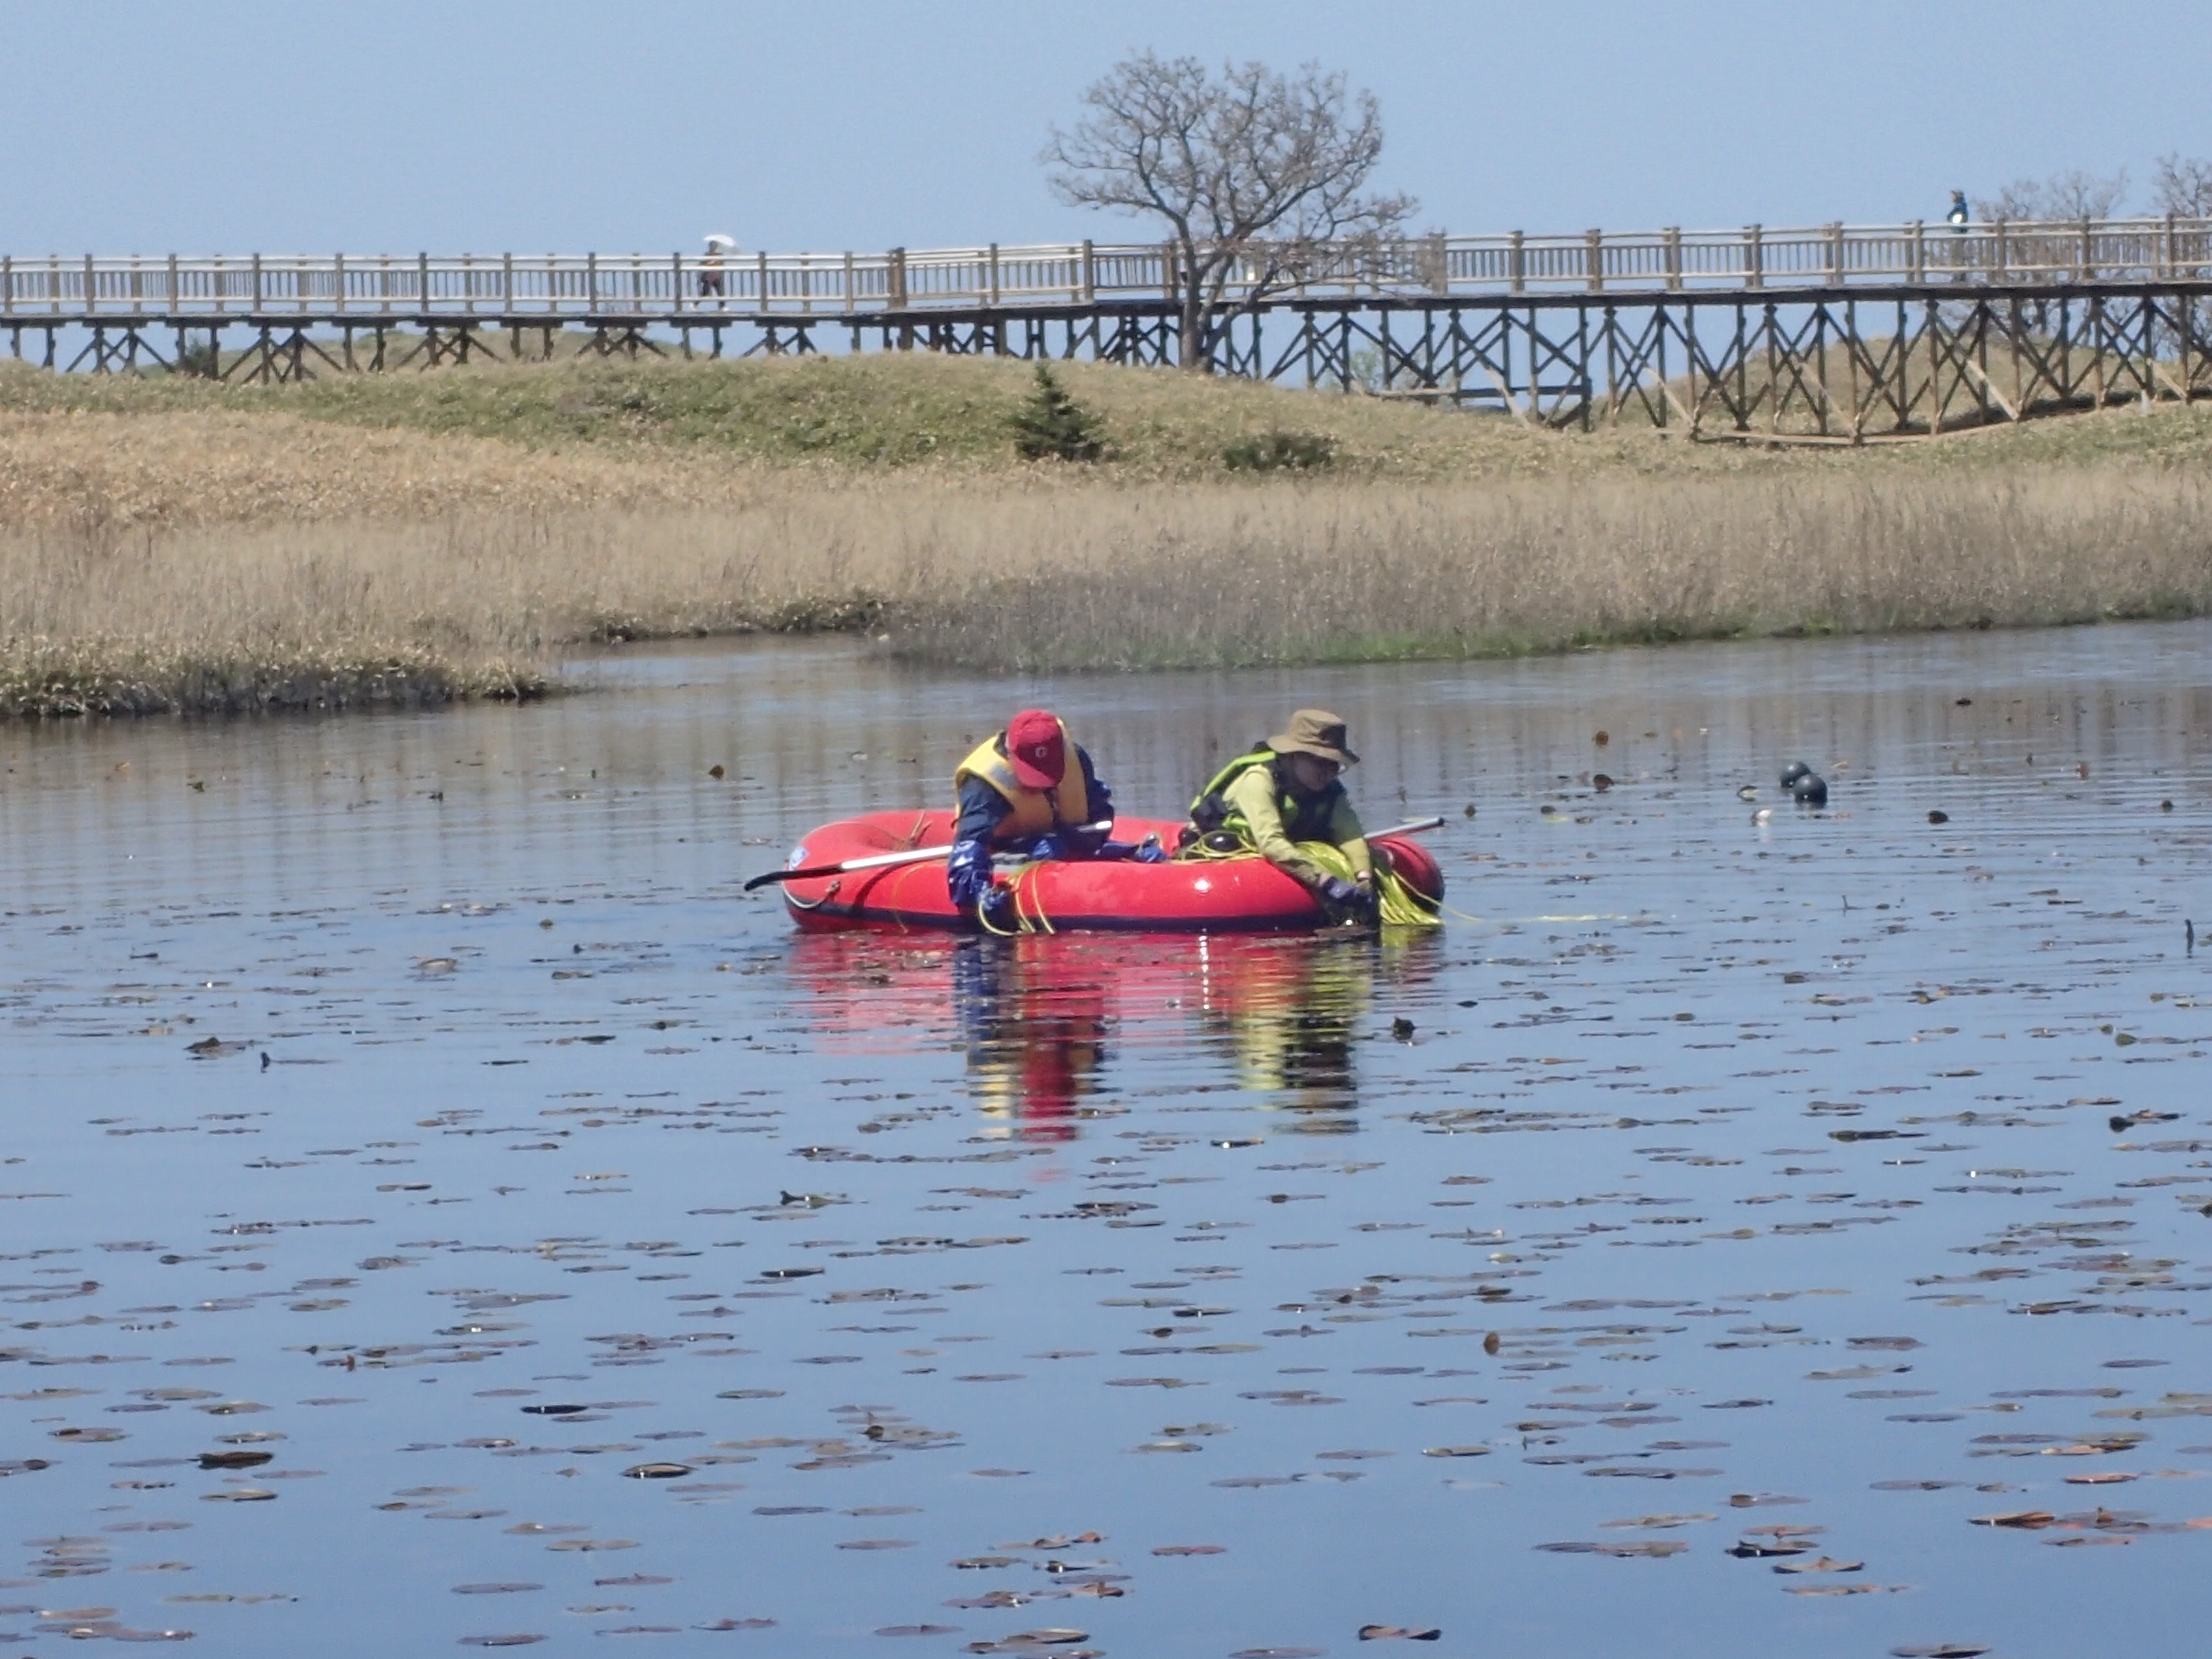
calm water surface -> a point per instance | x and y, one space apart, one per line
1753 1214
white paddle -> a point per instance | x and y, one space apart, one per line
883 861
1413 829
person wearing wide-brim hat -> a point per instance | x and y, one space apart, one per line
1288 790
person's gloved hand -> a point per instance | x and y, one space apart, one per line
1151 852
1339 892
997 908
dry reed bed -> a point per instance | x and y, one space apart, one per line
1187 578
93 619
1052 571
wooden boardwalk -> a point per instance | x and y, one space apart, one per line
1834 331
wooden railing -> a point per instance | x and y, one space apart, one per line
577 287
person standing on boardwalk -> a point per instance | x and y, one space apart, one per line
1957 215
1286 791
1019 793
719 248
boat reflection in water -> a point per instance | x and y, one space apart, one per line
1050 1027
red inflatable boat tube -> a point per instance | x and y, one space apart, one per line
1232 895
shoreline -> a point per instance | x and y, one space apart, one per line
109 694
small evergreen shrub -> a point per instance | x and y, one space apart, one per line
1052 426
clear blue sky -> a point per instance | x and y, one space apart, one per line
231 125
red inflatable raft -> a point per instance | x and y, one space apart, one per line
1239 894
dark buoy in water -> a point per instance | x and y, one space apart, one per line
1794 771
1810 789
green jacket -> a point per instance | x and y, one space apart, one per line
1255 797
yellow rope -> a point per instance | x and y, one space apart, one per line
1043 923
1025 922
1396 902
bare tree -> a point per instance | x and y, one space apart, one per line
2070 195
2020 199
2184 187
2079 195
1257 175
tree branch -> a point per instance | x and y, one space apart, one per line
1259 176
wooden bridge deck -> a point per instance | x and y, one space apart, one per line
536 288
1827 333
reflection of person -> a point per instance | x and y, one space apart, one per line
1287 790
1035 1040
1287 1011
1018 793
710 266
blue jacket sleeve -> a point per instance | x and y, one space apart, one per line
1099 806
968 870
981 809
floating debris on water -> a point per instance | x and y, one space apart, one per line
1703 1149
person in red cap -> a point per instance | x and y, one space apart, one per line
1018 793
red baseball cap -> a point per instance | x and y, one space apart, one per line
1038 749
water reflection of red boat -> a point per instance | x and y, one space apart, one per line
1233 895
1044 1023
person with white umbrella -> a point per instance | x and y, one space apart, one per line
719 248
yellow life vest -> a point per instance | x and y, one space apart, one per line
1036 811
1305 817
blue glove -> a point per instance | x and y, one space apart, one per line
1147 851
997 909
968 871
1050 846
1337 890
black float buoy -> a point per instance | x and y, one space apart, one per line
1794 771
1809 788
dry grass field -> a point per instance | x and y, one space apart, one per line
1321 571
169 544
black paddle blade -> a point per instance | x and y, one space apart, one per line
782 875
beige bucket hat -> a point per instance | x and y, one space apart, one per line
1318 733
